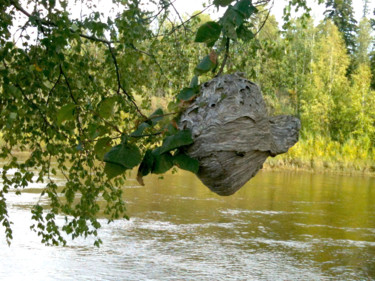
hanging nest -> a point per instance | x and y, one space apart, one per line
233 134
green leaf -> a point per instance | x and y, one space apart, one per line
222 3
162 161
106 107
246 8
125 155
101 147
147 164
171 129
66 113
185 162
159 113
140 129
93 131
204 66
181 138
113 170
194 82
208 33
186 94
231 20
244 33
74 27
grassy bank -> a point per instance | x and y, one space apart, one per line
323 155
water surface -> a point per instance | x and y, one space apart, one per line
280 226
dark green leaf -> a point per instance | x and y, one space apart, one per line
157 116
93 131
113 170
186 94
222 3
106 107
194 82
245 33
245 8
181 138
147 164
171 129
126 155
208 33
204 66
185 162
79 147
101 147
140 129
66 113
162 162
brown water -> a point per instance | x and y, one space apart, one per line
280 226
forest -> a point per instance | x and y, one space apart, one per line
323 74
104 93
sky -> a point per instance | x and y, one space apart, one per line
189 6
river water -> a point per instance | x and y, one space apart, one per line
280 226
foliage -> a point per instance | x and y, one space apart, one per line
77 95
342 14
93 97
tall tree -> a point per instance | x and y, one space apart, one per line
363 42
299 44
362 102
324 98
342 14
365 8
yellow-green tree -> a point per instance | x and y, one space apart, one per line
325 96
362 104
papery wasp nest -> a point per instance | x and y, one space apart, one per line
233 134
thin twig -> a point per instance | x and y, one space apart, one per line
153 17
74 100
146 135
54 86
179 16
33 105
161 115
226 55
266 19
68 85
120 88
183 23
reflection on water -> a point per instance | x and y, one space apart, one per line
281 226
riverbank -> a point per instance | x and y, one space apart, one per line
320 155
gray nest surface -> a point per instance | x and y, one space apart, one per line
233 134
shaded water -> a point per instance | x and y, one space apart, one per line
280 226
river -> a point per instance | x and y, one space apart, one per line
280 226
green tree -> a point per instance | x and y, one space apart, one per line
342 14
366 7
300 43
363 42
362 104
76 95
323 99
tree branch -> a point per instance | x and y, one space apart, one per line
183 23
119 85
226 55
266 19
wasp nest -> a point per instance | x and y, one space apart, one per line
233 134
